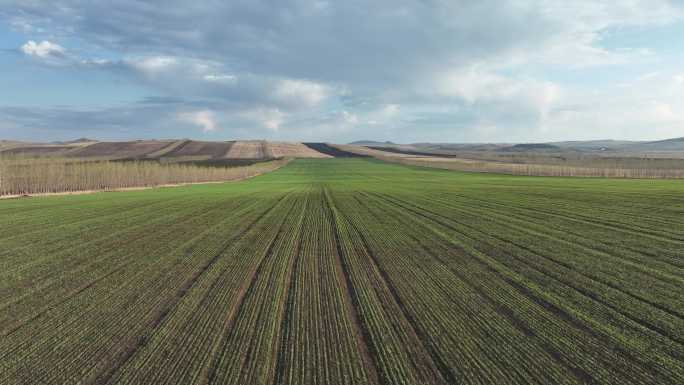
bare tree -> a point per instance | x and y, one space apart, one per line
21 175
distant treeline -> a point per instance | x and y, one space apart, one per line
539 169
537 165
23 176
582 160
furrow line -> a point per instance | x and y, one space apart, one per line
671 312
105 376
363 336
437 360
209 372
577 323
287 312
558 311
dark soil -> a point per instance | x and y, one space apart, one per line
332 151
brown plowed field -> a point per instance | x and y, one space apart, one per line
120 150
294 150
249 149
209 150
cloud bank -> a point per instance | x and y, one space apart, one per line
337 71
43 50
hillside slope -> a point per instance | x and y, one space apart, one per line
167 150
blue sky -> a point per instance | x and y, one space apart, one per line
314 70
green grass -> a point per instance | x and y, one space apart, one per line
348 271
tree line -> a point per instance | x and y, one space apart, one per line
538 169
634 167
24 175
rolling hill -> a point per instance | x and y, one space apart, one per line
168 150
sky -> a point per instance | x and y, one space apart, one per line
340 71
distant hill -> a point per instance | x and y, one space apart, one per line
676 144
445 147
6 144
75 141
255 150
79 141
121 150
667 145
532 147
595 145
673 140
372 143
216 152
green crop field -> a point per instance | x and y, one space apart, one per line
348 271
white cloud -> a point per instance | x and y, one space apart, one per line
273 118
476 83
44 49
153 65
389 110
269 118
174 70
304 92
647 108
529 72
204 119
21 25
349 118
662 112
382 115
580 25
220 78
197 77
501 97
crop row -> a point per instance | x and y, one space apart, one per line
347 272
